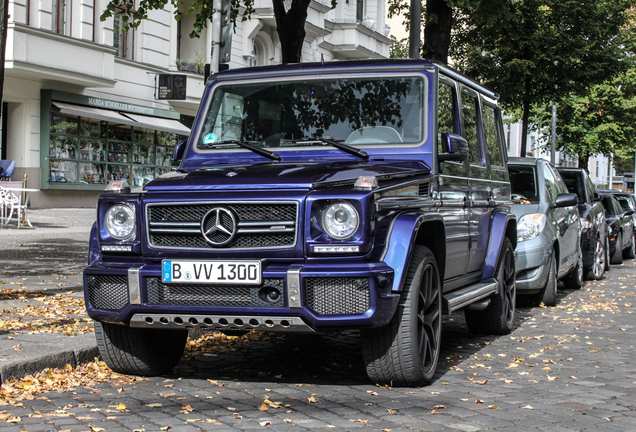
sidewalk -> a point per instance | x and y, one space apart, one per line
42 321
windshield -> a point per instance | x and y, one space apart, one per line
624 202
523 184
280 114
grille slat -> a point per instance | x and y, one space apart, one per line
107 292
337 295
272 225
160 293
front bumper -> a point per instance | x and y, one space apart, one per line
533 265
314 297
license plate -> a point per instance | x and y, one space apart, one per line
215 272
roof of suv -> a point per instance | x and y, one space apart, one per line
524 161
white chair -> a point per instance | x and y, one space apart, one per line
10 205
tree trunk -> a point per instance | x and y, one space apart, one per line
524 128
584 161
437 30
290 26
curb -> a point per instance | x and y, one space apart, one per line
45 350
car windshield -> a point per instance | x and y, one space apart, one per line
280 114
523 181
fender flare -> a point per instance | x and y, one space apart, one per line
502 224
402 236
94 254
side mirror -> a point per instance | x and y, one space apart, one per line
596 197
455 148
179 149
628 212
566 200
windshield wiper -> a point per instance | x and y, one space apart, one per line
247 145
337 143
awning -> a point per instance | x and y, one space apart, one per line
94 113
156 123
159 123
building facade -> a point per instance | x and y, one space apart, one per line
80 102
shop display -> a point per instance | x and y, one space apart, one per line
88 151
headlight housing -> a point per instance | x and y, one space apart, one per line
119 222
340 220
530 226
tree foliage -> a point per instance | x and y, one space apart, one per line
290 22
536 51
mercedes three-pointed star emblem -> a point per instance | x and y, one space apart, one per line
218 226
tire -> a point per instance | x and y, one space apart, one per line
629 252
405 352
139 351
574 279
599 261
498 317
617 256
607 253
548 295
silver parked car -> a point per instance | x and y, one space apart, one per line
548 235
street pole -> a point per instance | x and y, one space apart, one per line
415 29
553 147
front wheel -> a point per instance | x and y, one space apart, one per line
607 253
548 294
139 351
499 316
599 261
405 352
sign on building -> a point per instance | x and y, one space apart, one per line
171 87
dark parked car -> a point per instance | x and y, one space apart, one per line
594 239
368 195
621 228
626 201
547 230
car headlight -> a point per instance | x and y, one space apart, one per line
530 226
120 221
340 220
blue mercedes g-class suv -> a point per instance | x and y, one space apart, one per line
368 195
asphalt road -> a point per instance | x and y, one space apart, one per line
566 368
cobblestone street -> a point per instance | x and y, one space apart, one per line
567 368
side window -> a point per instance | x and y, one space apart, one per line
445 112
591 190
491 135
562 188
550 184
470 107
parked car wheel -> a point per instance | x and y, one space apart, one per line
574 279
498 317
405 352
617 257
607 254
629 252
548 295
139 351
599 263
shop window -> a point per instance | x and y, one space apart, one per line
123 40
87 151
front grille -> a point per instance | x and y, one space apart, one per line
261 225
107 291
177 294
337 295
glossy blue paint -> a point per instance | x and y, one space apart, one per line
401 241
94 253
500 223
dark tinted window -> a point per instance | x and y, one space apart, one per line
445 112
574 182
624 202
523 180
608 206
491 135
470 107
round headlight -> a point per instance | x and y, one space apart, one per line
120 221
340 220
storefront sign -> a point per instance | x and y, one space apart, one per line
171 87
120 106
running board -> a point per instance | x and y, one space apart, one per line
465 296
221 322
